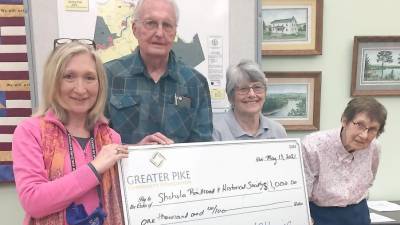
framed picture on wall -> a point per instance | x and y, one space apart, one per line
293 99
291 27
376 66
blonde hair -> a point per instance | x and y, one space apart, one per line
53 72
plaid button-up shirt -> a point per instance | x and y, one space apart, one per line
178 105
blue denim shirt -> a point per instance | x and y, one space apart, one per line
178 105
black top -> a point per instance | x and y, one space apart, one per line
82 142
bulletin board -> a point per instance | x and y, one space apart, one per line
15 91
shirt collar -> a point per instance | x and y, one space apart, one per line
237 130
342 154
264 124
138 67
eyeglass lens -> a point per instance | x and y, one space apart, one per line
62 41
152 25
362 128
258 89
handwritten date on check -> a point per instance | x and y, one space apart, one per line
236 183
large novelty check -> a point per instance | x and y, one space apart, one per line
243 183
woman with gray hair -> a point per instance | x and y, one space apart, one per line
246 89
340 164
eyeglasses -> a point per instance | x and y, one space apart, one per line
63 41
257 89
361 128
152 25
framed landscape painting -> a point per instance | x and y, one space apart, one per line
376 66
293 99
292 27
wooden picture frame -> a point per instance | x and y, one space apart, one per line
376 66
291 27
293 99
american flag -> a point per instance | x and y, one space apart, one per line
15 99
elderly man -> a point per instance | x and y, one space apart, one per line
152 95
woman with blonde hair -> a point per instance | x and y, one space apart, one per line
65 155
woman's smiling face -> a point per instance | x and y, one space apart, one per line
79 85
249 98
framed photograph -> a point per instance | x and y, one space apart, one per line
291 27
376 66
293 99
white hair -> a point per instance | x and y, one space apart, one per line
138 8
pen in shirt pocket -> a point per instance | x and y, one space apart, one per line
175 100
182 101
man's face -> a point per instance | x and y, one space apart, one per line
156 29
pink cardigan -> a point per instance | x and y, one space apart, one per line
39 196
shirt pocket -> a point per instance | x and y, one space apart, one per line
124 113
178 121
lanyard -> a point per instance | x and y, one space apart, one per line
71 150
73 163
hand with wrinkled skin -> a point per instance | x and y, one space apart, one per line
156 138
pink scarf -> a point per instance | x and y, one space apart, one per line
54 152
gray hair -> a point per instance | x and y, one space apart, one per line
244 71
138 8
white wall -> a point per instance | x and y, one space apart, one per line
11 212
43 30
342 21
